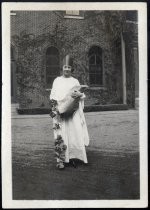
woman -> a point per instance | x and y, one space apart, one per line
70 131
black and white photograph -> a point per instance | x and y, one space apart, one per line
74 105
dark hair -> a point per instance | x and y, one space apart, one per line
72 69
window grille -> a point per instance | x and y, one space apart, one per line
95 66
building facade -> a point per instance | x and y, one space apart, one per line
103 44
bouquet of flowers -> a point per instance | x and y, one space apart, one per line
71 102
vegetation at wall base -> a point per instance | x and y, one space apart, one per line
95 108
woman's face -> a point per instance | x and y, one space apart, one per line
66 71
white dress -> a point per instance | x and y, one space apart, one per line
73 130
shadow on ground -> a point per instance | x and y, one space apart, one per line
107 176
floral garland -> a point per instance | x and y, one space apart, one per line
60 147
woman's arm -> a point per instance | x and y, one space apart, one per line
53 94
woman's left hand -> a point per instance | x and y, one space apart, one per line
76 95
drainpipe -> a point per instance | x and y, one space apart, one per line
123 70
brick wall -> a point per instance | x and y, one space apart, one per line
33 32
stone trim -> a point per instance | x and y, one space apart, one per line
12 13
97 88
74 17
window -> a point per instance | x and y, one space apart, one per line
52 65
95 66
12 54
76 14
13 76
72 12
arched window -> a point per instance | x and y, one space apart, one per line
95 66
52 65
12 54
13 76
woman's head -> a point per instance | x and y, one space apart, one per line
67 66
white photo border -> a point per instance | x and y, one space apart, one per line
7 201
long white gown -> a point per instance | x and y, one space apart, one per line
73 130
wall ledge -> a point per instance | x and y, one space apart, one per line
93 108
97 88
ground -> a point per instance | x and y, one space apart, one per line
113 159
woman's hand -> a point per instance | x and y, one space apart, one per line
76 95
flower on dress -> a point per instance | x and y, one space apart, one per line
53 108
56 126
60 147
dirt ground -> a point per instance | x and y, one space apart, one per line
113 159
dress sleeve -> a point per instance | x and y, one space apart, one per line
53 90
77 82
83 95
81 104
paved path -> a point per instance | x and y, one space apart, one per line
113 155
